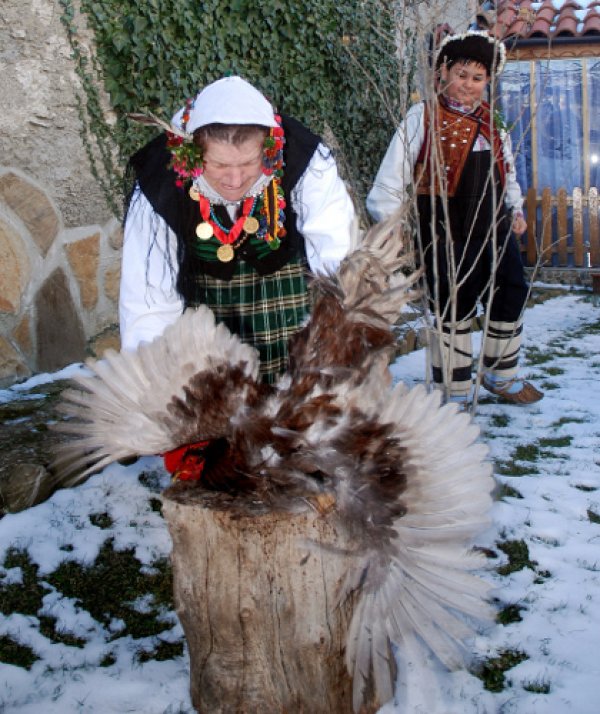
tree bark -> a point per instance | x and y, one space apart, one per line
258 605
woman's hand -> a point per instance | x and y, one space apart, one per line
519 224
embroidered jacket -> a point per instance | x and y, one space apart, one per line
455 134
397 170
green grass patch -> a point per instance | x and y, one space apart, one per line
518 557
152 480
488 552
526 452
530 454
12 652
503 490
550 386
491 672
557 441
537 687
593 516
568 420
162 652
574 352
509 614
499 421
512 468
109 588
155 505
108 660
534 356
554 371
591 329
49 630
24 597
101 520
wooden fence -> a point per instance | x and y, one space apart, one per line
563 231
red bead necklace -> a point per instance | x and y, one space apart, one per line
208 228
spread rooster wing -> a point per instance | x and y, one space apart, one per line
184 386
408 479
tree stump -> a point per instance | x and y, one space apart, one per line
258 604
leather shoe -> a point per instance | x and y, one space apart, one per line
528 394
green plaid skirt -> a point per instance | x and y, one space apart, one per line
263 311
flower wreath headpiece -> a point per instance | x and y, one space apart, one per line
186 155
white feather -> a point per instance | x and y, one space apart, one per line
426 587
152 120
412 580
123 411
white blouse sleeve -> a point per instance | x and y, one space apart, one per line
325 212
395 173
148 300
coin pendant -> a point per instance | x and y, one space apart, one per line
250 224
194 195
225 253
204 231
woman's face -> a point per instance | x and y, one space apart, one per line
231 169
465 82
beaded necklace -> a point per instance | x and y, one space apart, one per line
262 221
209 227
262 218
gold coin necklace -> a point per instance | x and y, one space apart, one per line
208 227
204 230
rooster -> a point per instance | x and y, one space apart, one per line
406 476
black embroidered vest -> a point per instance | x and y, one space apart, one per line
181 213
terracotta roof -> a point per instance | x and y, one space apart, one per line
525 19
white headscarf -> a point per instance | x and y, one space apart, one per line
230 100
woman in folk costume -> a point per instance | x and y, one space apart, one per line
231 208
462 170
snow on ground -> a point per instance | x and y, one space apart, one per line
554 509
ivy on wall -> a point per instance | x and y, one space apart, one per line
327 63
96 134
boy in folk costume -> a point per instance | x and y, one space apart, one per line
232 207
468 201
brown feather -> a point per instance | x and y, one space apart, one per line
401 475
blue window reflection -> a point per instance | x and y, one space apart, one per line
515 102
558 93
593 77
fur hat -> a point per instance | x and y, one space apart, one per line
474 45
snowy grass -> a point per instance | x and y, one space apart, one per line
86 616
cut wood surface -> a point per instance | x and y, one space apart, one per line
257 599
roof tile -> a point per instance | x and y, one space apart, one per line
591 24
566 25
526 19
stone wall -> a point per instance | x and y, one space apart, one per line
59 242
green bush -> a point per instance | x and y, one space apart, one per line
330 64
